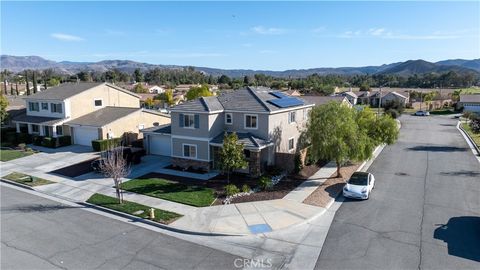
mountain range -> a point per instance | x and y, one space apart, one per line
407 68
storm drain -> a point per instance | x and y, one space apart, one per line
259 228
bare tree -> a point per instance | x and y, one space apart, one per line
115 166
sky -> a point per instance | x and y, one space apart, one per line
246 35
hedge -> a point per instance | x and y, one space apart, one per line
65 140
102 145
37 140
49 142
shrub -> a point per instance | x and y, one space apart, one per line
394 104
11 137
65 140
138 143
22 146
24 138
274 170
245 188
49 142
475 125
298 163
393 113
37 140
265 182
102 145
231 190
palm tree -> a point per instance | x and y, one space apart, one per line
5 75
34 82
28 85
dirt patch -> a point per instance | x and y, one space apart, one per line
76 169
331 188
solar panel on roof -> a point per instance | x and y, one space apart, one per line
279 94
286 102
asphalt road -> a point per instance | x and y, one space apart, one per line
37 233
424 212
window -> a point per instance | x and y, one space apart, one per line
250 121
291 117
56 107
190 150
35 128
291 144
33 106
59 130
188 120
228 118
246 153
98 103
44 106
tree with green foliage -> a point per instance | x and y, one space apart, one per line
34 80
196 92
53 82
138 75
28 84
140 88
5 77
166 97
3 108
380 130
231 155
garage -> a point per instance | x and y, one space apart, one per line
160 144
85 135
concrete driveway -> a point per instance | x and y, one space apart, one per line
424 212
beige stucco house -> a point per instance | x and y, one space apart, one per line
86 112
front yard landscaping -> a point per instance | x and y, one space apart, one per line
195 195
475 136
26 179
132 208
11 154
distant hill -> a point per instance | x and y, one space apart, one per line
19 63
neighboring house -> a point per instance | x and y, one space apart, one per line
321 100
155 89
292 92
85 111
385 97
16 106
470 103
351 96
267 122
183 88
363 97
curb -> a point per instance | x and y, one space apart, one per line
468 137
16 184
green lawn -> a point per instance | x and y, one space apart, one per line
172 191
25 179
7 155
475 136
471 90
161 216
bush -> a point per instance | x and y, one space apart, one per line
22 146
310 159
394 104
298 163
245 188
24 138
65 140
231 190
37 140
49 142
393 113
274 170
138 143
475 125
10 137
102 145
265 182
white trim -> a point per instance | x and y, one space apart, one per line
245 121
197 112
231 118
41 106
183 150
288 142
95 106
289 118
191 138
200 159
254 112
142 127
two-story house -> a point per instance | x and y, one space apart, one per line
268 124
86 112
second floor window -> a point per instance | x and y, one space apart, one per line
228 118
188 120
33 106
98 103
56 107
44 106
251 121
291 117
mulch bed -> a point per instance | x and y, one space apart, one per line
76 169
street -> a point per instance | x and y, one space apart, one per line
42 234
424 212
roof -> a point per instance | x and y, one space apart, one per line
164 129
321 100
397 94
23 117
470 98
102 117
247 139
202 104
67 90
349 93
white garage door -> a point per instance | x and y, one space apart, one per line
85 135
160 145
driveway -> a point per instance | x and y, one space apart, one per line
424 212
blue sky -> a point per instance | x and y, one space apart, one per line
249 35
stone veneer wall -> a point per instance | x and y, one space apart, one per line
254 164
185 163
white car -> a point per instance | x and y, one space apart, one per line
422 113
359 186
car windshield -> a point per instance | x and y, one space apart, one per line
359 179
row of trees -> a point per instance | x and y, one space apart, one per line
45 77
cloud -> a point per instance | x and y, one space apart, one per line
65 37
153 54
384 33
376 31
268 30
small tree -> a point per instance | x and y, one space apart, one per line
140 88
3 108
231 155
196 92
115 166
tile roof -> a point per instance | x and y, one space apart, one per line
23 117
247 139
102 117
164 129
470 98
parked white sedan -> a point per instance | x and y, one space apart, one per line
359 186
422 113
